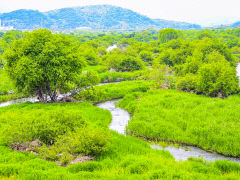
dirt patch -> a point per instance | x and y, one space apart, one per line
79 159
27 146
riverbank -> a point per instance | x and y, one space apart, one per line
180 117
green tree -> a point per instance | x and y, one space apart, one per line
166 35
217 78
130 63
43 63
204 34
10 36
146 56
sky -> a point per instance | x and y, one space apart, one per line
203 12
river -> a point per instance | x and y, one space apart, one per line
120 120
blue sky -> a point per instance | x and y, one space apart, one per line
204 12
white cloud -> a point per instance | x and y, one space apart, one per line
195 11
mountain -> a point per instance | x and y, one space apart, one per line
93 17
236 24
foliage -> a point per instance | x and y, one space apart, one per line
169 34
85 141
130 63
74 129
123 60
217 77
86 80
146 56
9 36
205 66
42 63
187 83
162 75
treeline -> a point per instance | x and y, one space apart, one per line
201 61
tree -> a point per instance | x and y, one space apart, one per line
10 36
166 35
43 63
146 56
130 63
204 34
217 77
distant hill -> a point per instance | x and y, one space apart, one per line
236 24
93 17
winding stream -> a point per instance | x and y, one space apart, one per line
120 120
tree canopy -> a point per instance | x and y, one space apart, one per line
43 63
166 35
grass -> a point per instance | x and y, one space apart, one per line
171 115
124 158
113 91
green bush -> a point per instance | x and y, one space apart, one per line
84 141
187 83
146 56
130 63
46 127
217 77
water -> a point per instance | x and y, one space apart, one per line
30 99
238 71
35 99
120 117
110 48
185 152
120 120
19 101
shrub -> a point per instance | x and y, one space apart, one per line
217 77
130 63
187 83
85 141
146 56
46 126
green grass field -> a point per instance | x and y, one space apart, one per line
171 115
125 158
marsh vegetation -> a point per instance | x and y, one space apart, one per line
178 86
